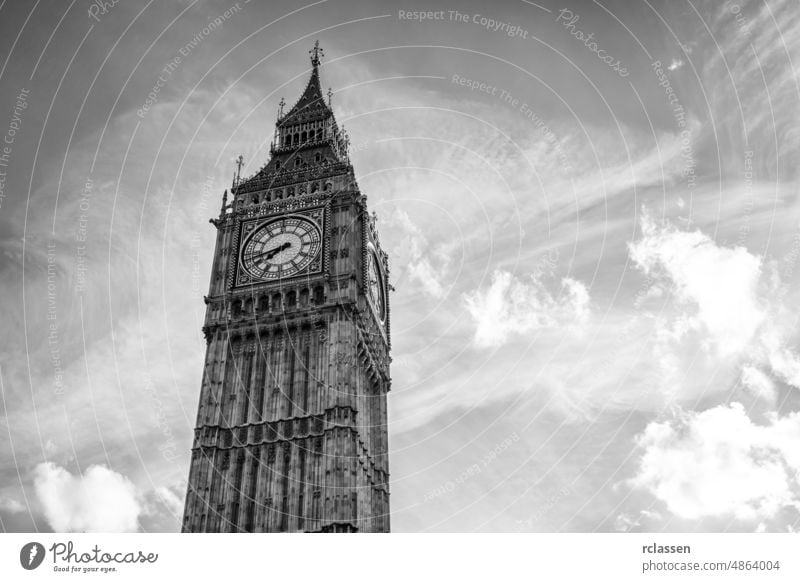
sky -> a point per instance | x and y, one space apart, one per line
592 217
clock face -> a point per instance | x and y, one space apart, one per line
375 284
281 248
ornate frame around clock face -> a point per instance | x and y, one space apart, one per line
375 283
279 247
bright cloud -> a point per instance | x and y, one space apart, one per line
512 306
718 283
100 500
718 463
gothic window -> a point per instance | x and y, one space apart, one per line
314 187
328 186
276 302
297 162
333 255
345 252
304 298
318 157
319 134
255 199
291 299
278 165
319 295
290 192
303 137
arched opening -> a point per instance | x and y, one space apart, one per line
319 295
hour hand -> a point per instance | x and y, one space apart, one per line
269 254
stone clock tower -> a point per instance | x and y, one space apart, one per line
291 426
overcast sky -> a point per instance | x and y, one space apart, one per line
591 211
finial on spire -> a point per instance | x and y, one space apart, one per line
316 54
330 94
239 164
224 202
281 105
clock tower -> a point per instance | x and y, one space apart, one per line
291 429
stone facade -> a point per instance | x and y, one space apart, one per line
292 423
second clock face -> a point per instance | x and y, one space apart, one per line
375 284
281 248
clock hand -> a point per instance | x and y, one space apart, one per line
271 253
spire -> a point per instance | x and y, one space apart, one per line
306 135
312 100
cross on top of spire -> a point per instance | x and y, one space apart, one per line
316 54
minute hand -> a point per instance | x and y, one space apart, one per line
271 253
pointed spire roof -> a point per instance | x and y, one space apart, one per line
319 149
311 102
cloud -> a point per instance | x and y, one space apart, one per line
718 463
675 65
100 500
728 302
426 263
170 500
759 384
718 284
512 306
11 505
